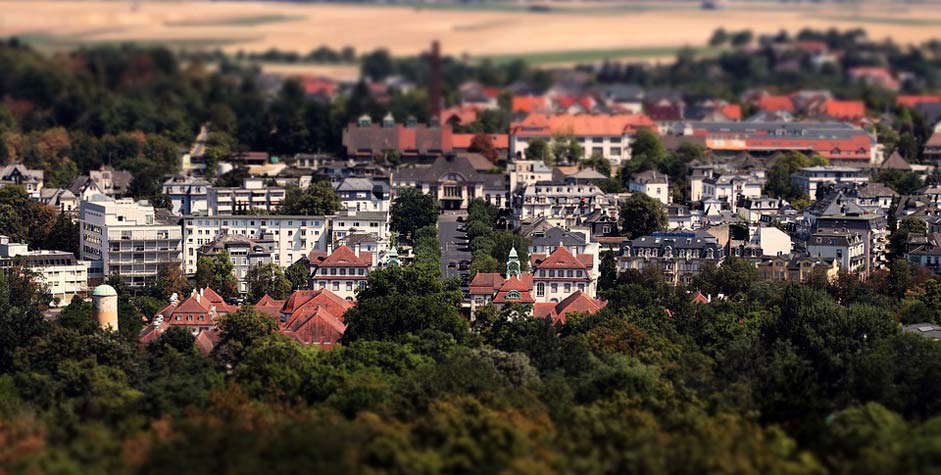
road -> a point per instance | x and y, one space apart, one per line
453 246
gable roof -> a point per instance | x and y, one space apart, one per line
582 124
578 302
485 283
522 284
844 109
776 103
269 306
560 258
896 162
343 256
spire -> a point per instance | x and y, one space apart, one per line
392 260
513 264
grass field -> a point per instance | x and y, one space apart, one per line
569 32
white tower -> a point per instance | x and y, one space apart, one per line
105 300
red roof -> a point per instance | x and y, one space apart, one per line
912 101
315 317
732 111
199 303
700 298
314 85
844 109
528 104
206 340
586 102
522 284
343 256
776 104
463 115
561 258
463 141
485 283
542 125
578 302
270 306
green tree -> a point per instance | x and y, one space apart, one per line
267 279
170 280
609 271
908 225
538 149
412 210
641 215
867 440
298 273
215 272
599 164
239 331
319 199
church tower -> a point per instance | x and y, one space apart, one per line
513 264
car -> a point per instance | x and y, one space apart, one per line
460 219
464 265
451 265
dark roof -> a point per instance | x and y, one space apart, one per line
442 166
555 236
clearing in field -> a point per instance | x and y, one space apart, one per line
566 33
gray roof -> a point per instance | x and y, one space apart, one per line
927 330
555 236
441 167
355 184
783 130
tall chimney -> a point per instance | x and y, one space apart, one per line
434 84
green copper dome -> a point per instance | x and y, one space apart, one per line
104 290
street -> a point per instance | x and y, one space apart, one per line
453 246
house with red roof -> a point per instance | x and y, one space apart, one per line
529 104
849 111
364 139
458 115
607 135
523 287
320 88
560 273
578 302
769 103
313 317
500 142
342 271
917 100
198 312
874 76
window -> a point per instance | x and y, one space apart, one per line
323 284
513 295
349 286
336 285
597 150
540 289
615 151
551 273
568 288
554 288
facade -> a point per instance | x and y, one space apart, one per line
924 250
60 272
127 238
835 141
198 312
244 253
871 229
808 179
607 135
524 173
17 174
61 199
557 275
254 195
366 140
679 256
846 248
187 195
342 271
454 182
653 184
364 194
563 202
752 210
932 149
293 236
732 188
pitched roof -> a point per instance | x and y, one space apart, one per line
499 141
485 283
844 109
528 103
522 284
343 256
578 302
896 162
912 101
776 103
269 306
582 124
560 258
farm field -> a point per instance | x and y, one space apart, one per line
568 33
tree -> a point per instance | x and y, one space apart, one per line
170 280
719 37
483 144
399 301
267 279
647 152
239 331
215 272
609 271
298 273
64 235
412 210
641 215
908 225
599 164
319 199
867 440
538 149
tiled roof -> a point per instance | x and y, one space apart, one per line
581 124
578 302
528 104
844 109
776 103
560 258
463 141
269 306
912 101
485 283
522 284
343 256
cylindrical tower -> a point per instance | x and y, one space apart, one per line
105 300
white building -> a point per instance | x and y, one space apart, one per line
606 135
563 203
127 238
17 174
364 194
253 195
63 276
528 172
772 241
294 236
730 188
187 195
654 184
374 223
343 270
808 179
847 248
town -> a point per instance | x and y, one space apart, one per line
778 206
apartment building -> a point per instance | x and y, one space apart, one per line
243 252
606 135
564 202
847 248
364 194
188 195
524 173
254 195
343 270
679 256
653 184
561 273
60 272
808 179
128 238
293 236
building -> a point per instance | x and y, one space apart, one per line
932 150
578 302
797 269
454 182
373 223
546 241
198 312
563 202
255 195
60 272
924 250
188 195
732 188
653 184
410 140
244 253
680 257
559 274
293 236
836 141
755 210
846 248
364 194
128 238
607 135
871 227
343 270
17 174
311 317
770 241
808 179
524 173
61 199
